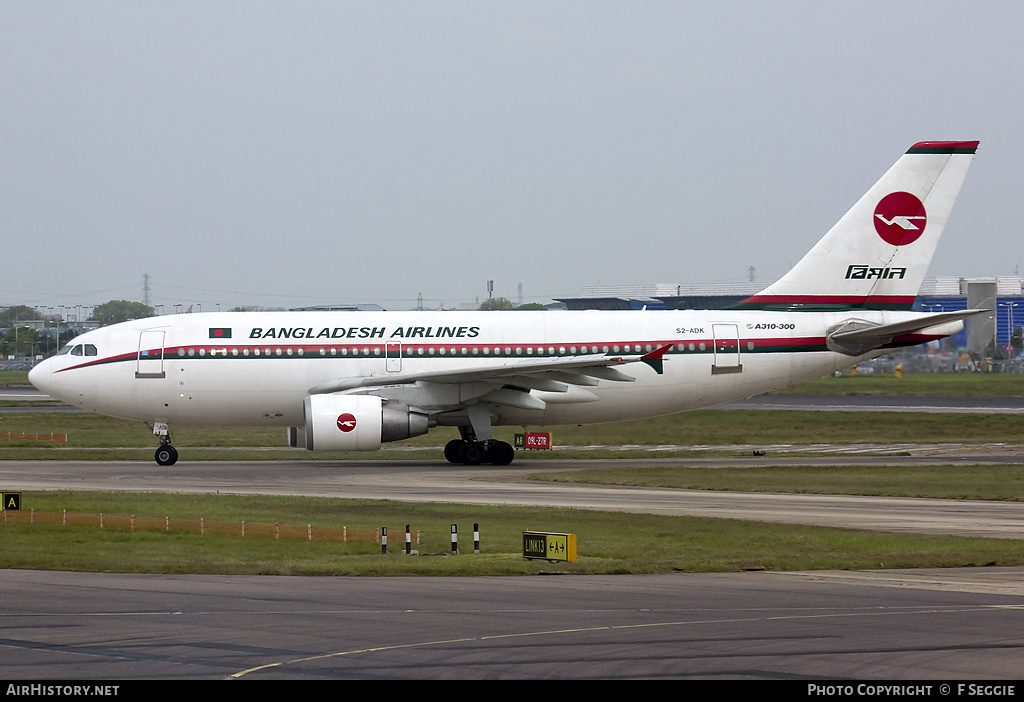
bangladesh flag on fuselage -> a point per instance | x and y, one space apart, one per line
220 332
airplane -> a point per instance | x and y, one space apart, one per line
354 380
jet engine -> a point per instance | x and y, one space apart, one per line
354 423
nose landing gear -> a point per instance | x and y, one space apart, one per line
166 455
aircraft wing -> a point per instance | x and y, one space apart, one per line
856 336
502 384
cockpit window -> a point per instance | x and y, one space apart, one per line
78 350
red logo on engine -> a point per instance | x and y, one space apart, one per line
346 422
900 218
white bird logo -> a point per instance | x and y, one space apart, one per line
902 221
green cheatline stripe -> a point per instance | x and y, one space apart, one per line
793 348
943 150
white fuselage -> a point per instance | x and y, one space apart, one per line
355 380
255 368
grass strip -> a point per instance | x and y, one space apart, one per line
697 428
923 384
609 543
977 482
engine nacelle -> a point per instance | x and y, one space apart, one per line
354 423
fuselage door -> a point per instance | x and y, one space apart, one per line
393 354
727 349
151 354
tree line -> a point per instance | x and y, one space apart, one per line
20 340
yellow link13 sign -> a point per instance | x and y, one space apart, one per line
549 546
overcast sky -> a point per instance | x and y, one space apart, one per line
294 153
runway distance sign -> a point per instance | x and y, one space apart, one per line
533 440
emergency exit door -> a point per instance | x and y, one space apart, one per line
393 357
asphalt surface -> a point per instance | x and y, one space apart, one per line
924 625
744 626
438 481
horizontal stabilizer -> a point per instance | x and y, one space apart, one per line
857 336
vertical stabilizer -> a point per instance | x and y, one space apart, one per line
876 256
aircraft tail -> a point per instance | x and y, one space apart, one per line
876 256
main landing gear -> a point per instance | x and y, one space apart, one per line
473 453
477 445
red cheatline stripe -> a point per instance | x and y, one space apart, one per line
944 147
100 361
204 352
832 299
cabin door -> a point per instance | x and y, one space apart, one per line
727 349
151 354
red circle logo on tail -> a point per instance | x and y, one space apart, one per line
900 218
346 422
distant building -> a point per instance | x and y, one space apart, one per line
1004 295
338 308
662 296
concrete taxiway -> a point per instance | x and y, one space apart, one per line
437 481
957 624
913 625
920 625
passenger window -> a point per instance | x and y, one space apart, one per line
77 351
90 350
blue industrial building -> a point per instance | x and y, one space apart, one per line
1003 295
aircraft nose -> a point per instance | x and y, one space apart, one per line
39 376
